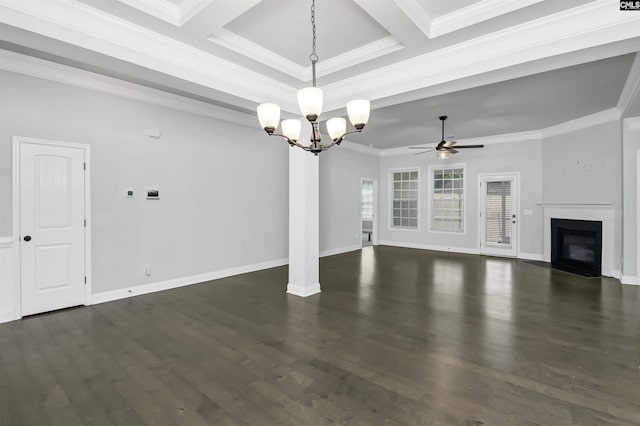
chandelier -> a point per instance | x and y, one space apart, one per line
310 102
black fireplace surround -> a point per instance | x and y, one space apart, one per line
576 246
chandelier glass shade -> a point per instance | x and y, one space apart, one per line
310 101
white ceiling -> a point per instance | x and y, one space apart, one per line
493 66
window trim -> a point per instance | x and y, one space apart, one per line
433 168
390 205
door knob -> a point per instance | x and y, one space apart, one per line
27 237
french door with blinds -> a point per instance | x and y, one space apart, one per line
499 214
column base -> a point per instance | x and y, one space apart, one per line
303 290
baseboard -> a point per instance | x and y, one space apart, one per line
138 290
340 250
629 280
463 250
303 291
611 273
531 256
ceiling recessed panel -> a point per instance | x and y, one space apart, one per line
284 28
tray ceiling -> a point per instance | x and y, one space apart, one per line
401 54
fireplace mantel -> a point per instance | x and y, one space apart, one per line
604 212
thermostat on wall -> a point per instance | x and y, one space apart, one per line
153 194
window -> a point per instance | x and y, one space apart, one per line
366 200
447 212
405 200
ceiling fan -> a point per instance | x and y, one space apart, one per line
445 148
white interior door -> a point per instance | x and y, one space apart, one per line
498 215
52 227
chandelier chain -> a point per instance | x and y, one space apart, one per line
313 25
313 57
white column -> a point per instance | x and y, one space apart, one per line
304 215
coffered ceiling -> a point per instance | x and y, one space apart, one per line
414 59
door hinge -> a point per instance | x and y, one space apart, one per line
85 223
85 166
85 279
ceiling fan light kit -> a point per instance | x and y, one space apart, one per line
310 100
444 149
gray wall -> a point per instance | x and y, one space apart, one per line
223 187
523 157
584 166
340 173
630 149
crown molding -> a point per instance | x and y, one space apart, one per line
176 14
363 53
481 11
362 149
592 25
631 89
161 9
602 117
46 70
81 25
474 14
246 47
416 13
529 136
393 152
187 9
243 46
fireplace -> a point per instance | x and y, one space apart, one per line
576 246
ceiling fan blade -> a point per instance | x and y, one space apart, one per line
420 147
449 143
452 151
470 146
424 152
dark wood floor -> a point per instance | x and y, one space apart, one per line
398 336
